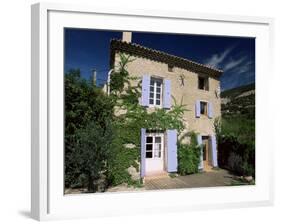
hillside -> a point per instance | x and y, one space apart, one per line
239 101
237 91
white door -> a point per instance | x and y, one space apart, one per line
154 153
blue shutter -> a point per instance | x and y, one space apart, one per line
197 108
214 151
172 158
167 94
143 145
210 110
145 90
199 142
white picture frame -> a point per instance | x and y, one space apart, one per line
47 198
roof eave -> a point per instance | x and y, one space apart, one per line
138 50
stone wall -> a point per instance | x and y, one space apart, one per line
189 92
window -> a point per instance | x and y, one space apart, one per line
153 146
203 108
149 147
155 93
170 68
203 83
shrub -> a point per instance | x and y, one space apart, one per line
188 156
236 144
248 169
84 103
235 163
121 158
92 151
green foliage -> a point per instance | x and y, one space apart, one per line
239 182
96 139
92 150
172 175
236 142
236 131
241 128
241 102
129 124
84 103
121 158
120 76
235 163
188 156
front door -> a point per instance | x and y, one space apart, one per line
206 153
154 153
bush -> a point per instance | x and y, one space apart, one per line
121 158
92 150
188 156
236 144
235 163
118 165
84 104
248 169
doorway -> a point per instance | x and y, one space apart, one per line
154 161
207 156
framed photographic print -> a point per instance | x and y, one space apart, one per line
162 110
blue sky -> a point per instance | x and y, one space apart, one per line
89 49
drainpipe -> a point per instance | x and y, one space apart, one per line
108 81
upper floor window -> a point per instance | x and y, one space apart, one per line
203 83
155 93
203 108
170 68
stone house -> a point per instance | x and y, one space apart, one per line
163 76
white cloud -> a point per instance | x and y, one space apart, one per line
244 67
232 63
217 59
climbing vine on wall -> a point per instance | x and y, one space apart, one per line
132 117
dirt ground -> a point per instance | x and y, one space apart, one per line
214 178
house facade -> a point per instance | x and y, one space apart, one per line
164 76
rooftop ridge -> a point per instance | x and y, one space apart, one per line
137 49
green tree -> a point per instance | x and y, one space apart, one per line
92 150
84 104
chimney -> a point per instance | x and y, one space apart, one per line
127 37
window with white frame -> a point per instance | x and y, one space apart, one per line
154 146
155 93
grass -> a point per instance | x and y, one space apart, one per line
172 175
239 182
242 128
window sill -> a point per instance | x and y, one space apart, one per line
155 106
203 90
